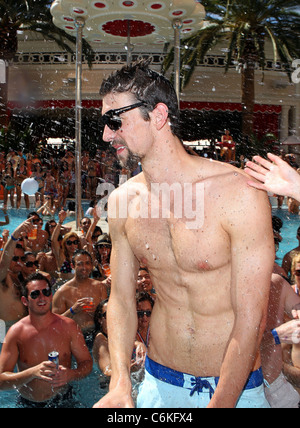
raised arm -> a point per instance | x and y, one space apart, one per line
54 238
276 176
121 313
10 246
248 223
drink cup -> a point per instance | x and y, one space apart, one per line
32 235
106 269
89 304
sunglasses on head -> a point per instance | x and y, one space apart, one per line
31 264
76 242
112 117
36 293
140 314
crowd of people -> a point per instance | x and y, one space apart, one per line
201 311
65 277
54 170
59 283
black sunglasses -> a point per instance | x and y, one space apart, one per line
112 117
17 258
31 264
76 242
297 272
140 314
35 294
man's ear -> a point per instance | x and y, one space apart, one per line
24 301
160 115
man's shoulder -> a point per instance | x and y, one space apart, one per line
65 288
226 177
65 323
213 169
18 328
131 183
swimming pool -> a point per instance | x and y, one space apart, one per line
291 222
88 391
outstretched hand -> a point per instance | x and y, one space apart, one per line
276 176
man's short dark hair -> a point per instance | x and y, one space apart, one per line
81 253
34 277
146 85
143 296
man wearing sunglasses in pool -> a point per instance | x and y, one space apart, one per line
212 282
28 344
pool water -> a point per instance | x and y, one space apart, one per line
291 222
88 390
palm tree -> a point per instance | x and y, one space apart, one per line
245 25
28 15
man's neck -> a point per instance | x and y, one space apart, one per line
40 322
165 163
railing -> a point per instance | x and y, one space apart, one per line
63 58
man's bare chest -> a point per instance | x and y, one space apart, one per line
166 243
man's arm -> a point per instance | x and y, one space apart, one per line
84 361
291 372
252 256
8 360
121 313
10 246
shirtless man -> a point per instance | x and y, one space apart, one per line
40 243
29 342
73 298
11 307
212 281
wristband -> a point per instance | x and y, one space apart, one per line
13 238
276 337
72 312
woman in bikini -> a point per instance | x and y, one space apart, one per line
64 252
9 184
21 175
38 175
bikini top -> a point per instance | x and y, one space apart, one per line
66 267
